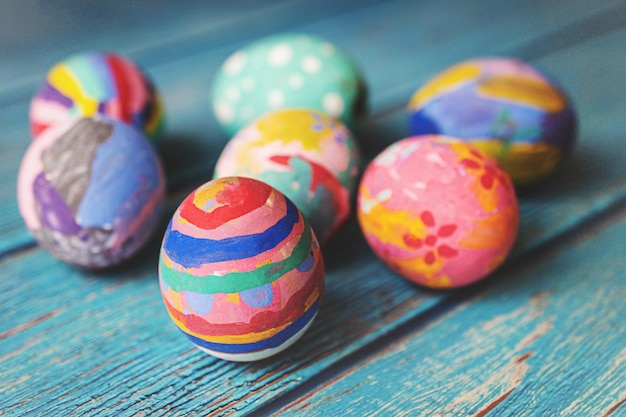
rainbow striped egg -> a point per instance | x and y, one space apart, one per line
241 272
97 83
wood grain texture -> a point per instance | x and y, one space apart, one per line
549 339
80 343
149 32
195 141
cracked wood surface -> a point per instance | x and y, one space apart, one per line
547 339
80 343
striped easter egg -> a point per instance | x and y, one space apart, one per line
240 270
97 83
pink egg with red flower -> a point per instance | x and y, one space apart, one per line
438 211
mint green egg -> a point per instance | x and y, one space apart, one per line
286 71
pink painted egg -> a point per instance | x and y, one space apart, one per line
438 211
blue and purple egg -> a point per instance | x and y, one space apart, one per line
91 191
506 108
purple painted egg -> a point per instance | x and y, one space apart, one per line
91 191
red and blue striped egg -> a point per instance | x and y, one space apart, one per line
240 270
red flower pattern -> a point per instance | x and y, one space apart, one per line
490 172
431 241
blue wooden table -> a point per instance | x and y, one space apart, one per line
545 335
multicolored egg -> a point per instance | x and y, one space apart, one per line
97 83
438 211
241 273
287 70
91 191
504 107
305 154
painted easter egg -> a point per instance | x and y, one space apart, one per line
504 107
438 211
97 83
307 155
91 191
287 70
241 272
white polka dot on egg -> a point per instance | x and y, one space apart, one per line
333 104
223 111
235 63
275 98
288 70
279 55
311 64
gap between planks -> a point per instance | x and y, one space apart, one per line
584 30
166 52
566 37
526 261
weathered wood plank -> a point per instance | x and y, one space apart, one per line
108 335
116 327
548 339
36 35
182 33
195 141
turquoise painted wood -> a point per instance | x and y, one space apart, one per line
151 33
195 140
80 343
548 339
